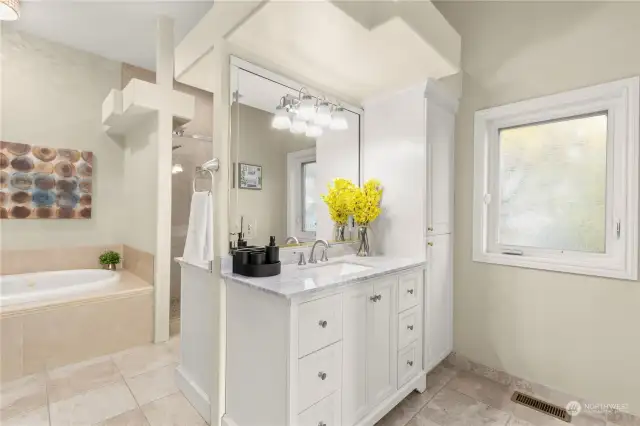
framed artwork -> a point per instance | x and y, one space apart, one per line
249 176
44 183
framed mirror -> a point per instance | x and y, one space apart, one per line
288 142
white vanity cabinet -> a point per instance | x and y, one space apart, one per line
344 356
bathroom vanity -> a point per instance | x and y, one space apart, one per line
333 343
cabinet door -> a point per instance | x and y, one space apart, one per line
440 145
357 313
382 353
438 301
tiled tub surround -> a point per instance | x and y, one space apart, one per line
36 335
136 261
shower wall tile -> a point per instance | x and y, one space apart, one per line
138 262
26 261
66 335
10 348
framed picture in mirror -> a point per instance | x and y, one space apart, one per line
249 176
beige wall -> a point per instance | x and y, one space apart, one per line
52 95
254 141
576 333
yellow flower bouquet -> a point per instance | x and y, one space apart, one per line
366 209
339 199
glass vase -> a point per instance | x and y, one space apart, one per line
339 232
364 249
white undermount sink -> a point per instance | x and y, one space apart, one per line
338 268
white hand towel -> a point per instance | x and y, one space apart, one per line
198 248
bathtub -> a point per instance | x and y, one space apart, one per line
23 288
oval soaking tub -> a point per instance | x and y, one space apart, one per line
23 288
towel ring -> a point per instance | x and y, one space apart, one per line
199 171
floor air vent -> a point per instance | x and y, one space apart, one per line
542 406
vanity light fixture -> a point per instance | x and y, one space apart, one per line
307 107
281 119
9 10
298 126
313 131
323 115
339 120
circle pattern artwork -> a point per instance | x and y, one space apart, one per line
40 182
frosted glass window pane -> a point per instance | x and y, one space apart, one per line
553 184
309 220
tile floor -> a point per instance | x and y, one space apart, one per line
137 388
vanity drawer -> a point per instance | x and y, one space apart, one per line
319 324
408 289
409 328
326 412
409 363
319 375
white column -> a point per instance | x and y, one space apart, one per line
162 269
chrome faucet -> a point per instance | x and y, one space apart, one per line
324 258
292 240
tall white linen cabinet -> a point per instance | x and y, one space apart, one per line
409 147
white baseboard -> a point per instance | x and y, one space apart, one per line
194 393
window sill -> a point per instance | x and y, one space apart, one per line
545 264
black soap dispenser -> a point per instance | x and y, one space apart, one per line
273 251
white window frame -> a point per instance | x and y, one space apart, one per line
295 160
620 99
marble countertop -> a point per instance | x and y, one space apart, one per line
297 280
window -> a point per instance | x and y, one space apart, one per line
309 220
556 182
302 195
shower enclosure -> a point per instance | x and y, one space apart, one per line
190 151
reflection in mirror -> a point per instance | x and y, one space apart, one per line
286 147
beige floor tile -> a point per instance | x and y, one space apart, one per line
421 421
22 395
451 408
154 384
172 410
65 382
130 418
94 406
618 418
141 359
37 417
174 346
413 403
481 389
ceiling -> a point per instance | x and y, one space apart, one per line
119 30
352 50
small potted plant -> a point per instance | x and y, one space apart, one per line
109 259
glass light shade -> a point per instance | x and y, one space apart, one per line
298 126
323 115
9 10
281 120
307 108
313 131
176 168
339 120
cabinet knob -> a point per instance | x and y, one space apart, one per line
410 363
379 297
322 375
410 327
410 291
322 324
430 244
321 423
374 298
430 229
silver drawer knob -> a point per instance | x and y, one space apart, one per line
410 327
409 363
410 291
321 423
430 229
322 375
373 298
379 296
322 324
430 244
